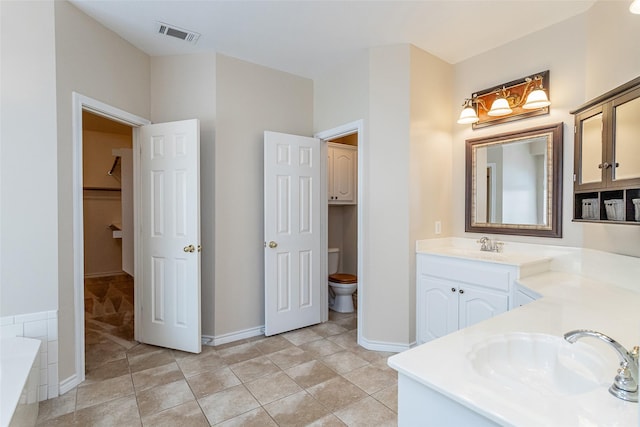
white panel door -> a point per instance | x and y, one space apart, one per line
170 235
292 232
438 311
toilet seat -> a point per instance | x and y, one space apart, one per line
343 278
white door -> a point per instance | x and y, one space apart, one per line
170 235
291 232
438 311
477 305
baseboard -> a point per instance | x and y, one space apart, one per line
68 384
232 336
385 346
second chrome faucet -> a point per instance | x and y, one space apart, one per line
488 245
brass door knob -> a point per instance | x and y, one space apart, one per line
273 244
189 248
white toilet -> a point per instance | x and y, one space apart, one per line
343 285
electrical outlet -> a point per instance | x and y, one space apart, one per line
438 227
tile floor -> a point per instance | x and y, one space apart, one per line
315 376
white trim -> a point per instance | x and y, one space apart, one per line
79 103
385 346
346 129
69 384
233 336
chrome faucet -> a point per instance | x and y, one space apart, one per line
488 245
625 384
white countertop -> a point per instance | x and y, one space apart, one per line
569 301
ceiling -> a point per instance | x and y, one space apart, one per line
305 37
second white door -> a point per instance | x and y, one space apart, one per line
292 202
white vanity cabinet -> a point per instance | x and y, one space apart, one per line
454 293
341 172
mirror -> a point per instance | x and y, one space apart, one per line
514 183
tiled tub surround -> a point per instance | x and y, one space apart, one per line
44 327
583 289
312 376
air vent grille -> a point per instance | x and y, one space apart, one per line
179 33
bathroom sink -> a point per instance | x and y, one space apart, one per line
544 363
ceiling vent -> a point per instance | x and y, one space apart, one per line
179 33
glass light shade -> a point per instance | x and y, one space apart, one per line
467 116
536 99
634 7
500 107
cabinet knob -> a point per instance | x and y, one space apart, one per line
461 291
453 289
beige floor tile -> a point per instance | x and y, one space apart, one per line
347 340
367 412
119 412
163 397
255 418
152 359
272 387
301 336
372 379
336 393
103 391
349 323
272 344
344 361
199 363
327 329
239 353
327 421
296 410
152 377
212 382
388 397
290 357
249 370
141 349
58 421
61 405
370 356
186 415
101 353
227 404
310 373
322 347
112 369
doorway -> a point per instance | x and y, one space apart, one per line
108 238
356 129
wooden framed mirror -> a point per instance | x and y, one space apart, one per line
514 183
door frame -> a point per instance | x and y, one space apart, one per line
343 130
80 103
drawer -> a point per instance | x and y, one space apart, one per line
471 272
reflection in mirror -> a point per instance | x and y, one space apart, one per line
591 160
514 182
627 129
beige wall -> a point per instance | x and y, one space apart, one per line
29 191
249 100
587 56
97 63
184 87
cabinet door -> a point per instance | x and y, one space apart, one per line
330 195
437 310
342 181
478 304
590 149
625 157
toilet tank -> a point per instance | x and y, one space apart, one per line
334 260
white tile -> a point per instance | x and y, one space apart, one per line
36 328
42 393
31 317
53 314
44 364
53 374
52 391
52 329
15 330
43 377
52 353
6 320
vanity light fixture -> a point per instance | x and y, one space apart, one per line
515 100
634 7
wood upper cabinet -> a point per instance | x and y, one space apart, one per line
607 156
341 172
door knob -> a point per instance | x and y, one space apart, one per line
273 244
189 248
